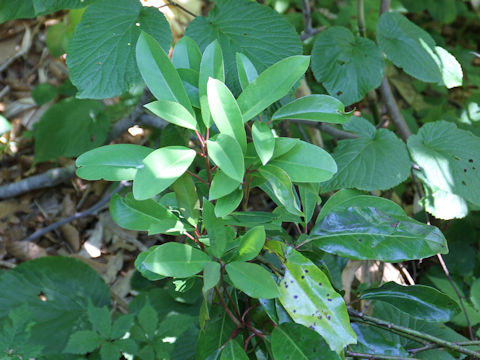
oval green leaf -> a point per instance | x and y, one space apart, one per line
211 275
251 243
227 204
174 113
222 185
227 155
186 54
247 72
263 140
252 279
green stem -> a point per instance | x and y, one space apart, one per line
361 18
375 356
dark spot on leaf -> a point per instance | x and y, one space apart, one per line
464 170
473 168
339 93
340 62
470 160
311 327
314 350
303 276
329 299
291 281
294 311
244 34
328 295
306 271
360 240
464 183
320 284
295 296
92 138
329 317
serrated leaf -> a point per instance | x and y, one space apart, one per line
101 53
306 163
309 298
100 319
271 85
83 342
186 54
70 128
322 108
122 325
233 351
252 279
251 243
161 168
413 49
148 319
295 341
246 71
211 275
255 30
372 228
225 112
222 185
109 351
174 113
419 301
263 140
348 66
159 73
227 155
227 204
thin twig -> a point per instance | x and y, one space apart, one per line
377 356
174 3
436 346
309 31
361 18
394 111
336 133
227 310
384 6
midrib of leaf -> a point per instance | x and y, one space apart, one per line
246 276
293 343
172 166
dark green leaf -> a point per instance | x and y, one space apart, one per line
148 319
43 93
211 275
247 72
251 243
227 204
186 54
122 325
109 351
252 279
31 8
190 83
371 340
187 198
263 141
233 351
101 53
174 113
227 155
100 319
83 342
216 333
215 230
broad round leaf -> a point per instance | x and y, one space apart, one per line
310 300
252 279
176 260
373 228
347 66
322 108
112 162
227 155
161 168
243 26
295 341
174 113
421 302
101 53
68 286
413 49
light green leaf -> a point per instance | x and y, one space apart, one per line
348 66
4 125
222 185
322 108
227 204
225 112
101 53
281 186
251 243
233 351
255 30
70 128
443 204
211 275
271 85
161 168
186 54
176 260
147 274
247 72
309 298
112 162
211 66
366 163
413 49
144 215
448 159
263 140
373 228
227 155
190 83
310 198
174 113
100 319
83 342
419 301
295 341
252 279
187 198
215 229
306 163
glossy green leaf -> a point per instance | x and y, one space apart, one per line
271 85
112 162
83 342
211 275
322 108
372 228
263 140
70 128
246 71
295 341
101 53
227 155
215 229
176 260
255 30
309 298
251 243
222 185
371 340
419 301
186 54
227 204
348 66
187 198
414 50
281 186
233 351
190 83
161 168
310 199
174 113
356 167
211 66
159 73
252 279
448 158
144 215
306 163
142 269
225 112
284 145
